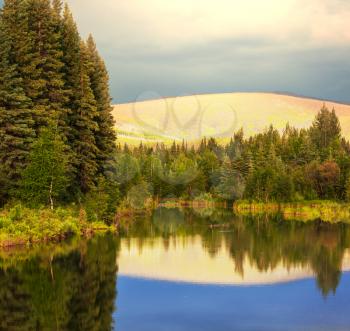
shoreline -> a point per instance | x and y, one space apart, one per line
20 226
24 227
324 210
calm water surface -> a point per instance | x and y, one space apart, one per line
184 270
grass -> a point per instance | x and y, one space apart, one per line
148 139
205 200
327 211
21 226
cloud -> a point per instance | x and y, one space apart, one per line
174 24
198 46
320 72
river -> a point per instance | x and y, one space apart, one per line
183 269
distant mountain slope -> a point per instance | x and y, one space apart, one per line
219 115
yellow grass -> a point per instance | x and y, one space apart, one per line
193 117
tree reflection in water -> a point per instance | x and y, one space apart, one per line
66 287
266 240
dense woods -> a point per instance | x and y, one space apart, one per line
295 165
56 128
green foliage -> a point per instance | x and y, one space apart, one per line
102 201
267 167
105 135
20 225
231 183
325 178
325 132
125 171
46 177
347 190
49 75
139 195
16 117
324 210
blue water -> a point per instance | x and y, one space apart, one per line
147 305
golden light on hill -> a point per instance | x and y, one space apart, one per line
218 115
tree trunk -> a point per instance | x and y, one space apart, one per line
51 200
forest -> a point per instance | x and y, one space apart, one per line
295 165
56 127
59 149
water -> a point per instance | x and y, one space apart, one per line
184 270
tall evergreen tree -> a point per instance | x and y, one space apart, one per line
82 104
84 127
232 184
105 135
39 58
325 131
71 57
48 75
16 124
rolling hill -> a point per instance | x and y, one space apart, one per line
217 115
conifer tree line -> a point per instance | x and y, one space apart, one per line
293 165
55 106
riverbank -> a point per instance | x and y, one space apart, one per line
129 211
326 211
21 226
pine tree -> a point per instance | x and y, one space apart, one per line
49 76
325 131
84 127
231 183
347 190
259 157
71 57
39 59
105 135
60 95
82 105
16 124
248 163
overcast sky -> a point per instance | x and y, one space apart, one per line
204 46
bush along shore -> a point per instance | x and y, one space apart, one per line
20 226
326 211
23 226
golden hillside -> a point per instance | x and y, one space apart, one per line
218 115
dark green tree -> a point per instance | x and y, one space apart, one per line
325 131
105 135
231 183
16 117
83 127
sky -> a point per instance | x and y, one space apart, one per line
156 48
